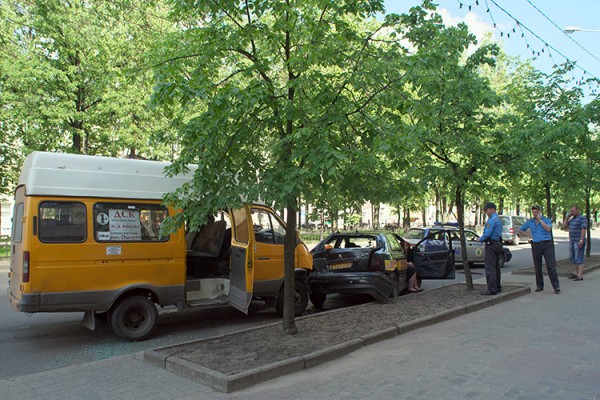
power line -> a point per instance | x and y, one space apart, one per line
563 31
540 38
522 28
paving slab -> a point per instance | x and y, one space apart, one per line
178 358
539 346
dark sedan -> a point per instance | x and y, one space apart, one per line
372 263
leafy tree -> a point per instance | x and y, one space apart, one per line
69 77
449 105
549 119
278 98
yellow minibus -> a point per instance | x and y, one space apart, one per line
85 238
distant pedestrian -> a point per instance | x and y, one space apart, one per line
492 237
542 246
577 225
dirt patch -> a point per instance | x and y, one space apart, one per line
242 351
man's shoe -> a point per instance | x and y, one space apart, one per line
539 289
572 276
557 291
499 290
488 293
579 278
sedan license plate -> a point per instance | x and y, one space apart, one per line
340 265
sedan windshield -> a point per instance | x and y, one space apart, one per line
414 234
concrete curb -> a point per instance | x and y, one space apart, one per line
230 383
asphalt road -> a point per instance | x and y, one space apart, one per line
39 342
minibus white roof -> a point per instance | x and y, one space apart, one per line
74 175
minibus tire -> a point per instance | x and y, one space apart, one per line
301 299
134 318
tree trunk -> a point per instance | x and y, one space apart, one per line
375 215
299 213
438 206
406 221
77 143
588 237
306 216
322 228
460 208
289 292
548 207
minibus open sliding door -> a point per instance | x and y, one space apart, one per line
241 276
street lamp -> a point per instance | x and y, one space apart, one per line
571 29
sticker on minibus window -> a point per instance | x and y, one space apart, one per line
125 225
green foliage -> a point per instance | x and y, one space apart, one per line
281 101
276 100
72 76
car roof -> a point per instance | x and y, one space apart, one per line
440 228
358 234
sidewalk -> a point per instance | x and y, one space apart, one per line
537 346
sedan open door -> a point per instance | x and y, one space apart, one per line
433 256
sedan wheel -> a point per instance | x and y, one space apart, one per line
396 285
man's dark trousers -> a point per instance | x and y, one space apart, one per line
544 249
492 267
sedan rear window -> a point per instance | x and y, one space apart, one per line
346 242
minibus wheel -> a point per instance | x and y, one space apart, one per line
301 299
134 318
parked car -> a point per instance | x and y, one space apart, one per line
433 237
373 263
510 229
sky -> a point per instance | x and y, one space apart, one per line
537 23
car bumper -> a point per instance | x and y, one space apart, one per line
376 284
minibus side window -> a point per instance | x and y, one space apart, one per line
241 225
17 223
62 222
267 229
129 222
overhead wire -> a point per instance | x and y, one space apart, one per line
563 31
522 28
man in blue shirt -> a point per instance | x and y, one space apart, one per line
492 236
577 224
542 245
